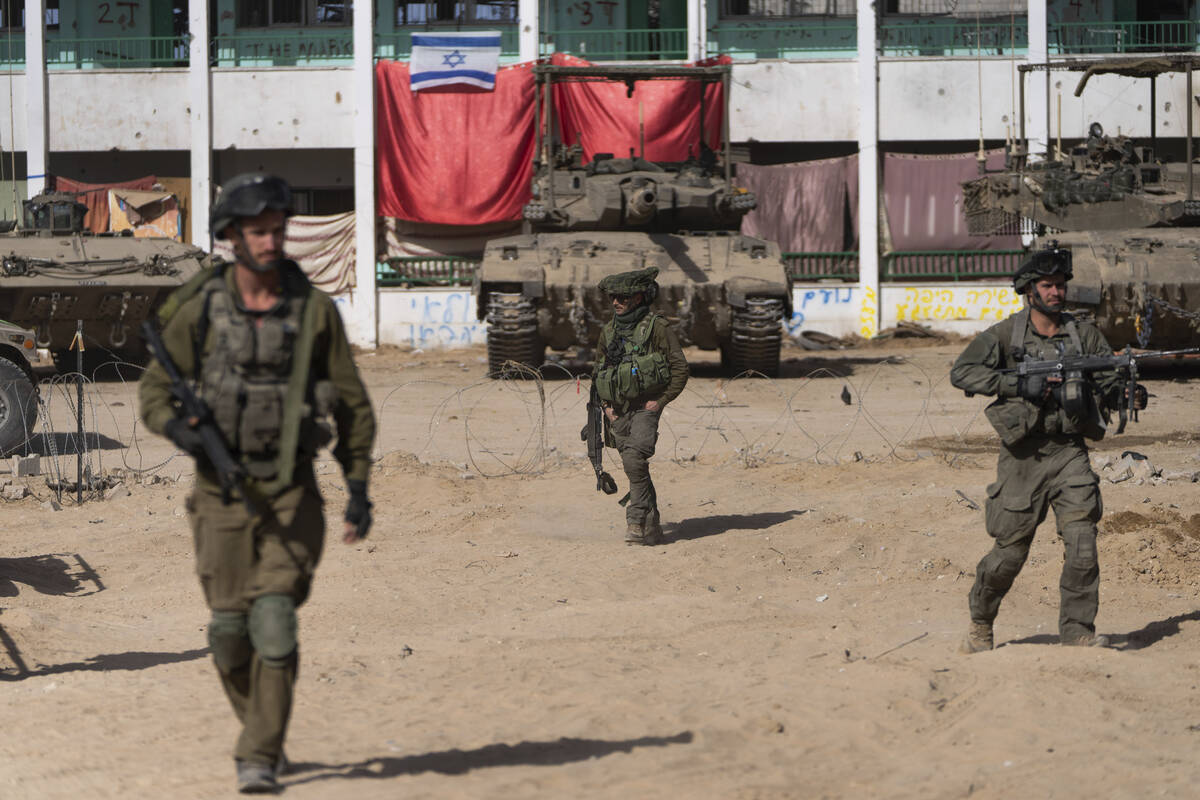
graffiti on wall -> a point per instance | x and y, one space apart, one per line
868 314
442 319
987 304
818 305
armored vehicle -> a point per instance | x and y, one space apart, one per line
53 273
1131 219
619 212
18 387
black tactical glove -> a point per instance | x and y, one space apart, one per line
358 507
1032 387
185 437
1141 398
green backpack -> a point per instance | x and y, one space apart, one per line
639 373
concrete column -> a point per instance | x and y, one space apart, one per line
697 22
37 137
1037 84
362 320
868 171
528 28
200 120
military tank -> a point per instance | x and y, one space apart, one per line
721 290
1130 218
54 273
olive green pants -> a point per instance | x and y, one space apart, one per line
240 559
1036 474
636 434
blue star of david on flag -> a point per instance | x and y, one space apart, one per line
440 59
453 59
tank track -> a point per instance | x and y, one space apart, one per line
512 333
756 337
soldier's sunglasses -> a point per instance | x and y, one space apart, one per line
621 298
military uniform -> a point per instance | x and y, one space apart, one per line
1043 463
638 359
269 378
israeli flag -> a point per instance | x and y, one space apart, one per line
439 59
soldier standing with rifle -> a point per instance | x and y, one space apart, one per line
268 358
640 368
1043 422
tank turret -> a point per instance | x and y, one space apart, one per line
1131 218
53 214
720 289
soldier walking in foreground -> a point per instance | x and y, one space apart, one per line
640 368
266 353
1042 422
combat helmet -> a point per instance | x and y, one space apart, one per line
1050 260
638 280
249 195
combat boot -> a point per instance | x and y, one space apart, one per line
654 533
1085 640
256 778
635 533
979 638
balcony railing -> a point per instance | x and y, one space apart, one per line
633 44
417 271
398 44
953 265
822 266
128 52
830 38
915 37
1122 37
297 48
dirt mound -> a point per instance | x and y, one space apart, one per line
1159 545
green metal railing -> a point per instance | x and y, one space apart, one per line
953 265
822 266
132 51
414 271
917 38
1122 37
297 48
616 44
398 43
747 39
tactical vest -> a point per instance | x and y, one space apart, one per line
244 377
1071 409
639 371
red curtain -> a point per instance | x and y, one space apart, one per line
803 206
95 197
456 156
607 117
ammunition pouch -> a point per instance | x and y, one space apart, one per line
1012 419
630 369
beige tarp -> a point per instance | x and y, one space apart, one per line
147 213
322 246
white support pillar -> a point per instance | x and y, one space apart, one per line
868 171
528 29
362 317
199 85
37 137
1037 84
697 35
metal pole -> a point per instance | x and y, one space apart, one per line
79 411
1154 115
548 142
725 99
1190 112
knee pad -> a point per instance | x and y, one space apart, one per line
229 640
1080 541
273 629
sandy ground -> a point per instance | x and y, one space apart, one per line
494 638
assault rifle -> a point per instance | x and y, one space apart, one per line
230 473
1073 367
593 434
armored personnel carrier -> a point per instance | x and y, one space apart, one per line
1131 220
53 273
619 212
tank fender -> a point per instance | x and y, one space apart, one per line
738 289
